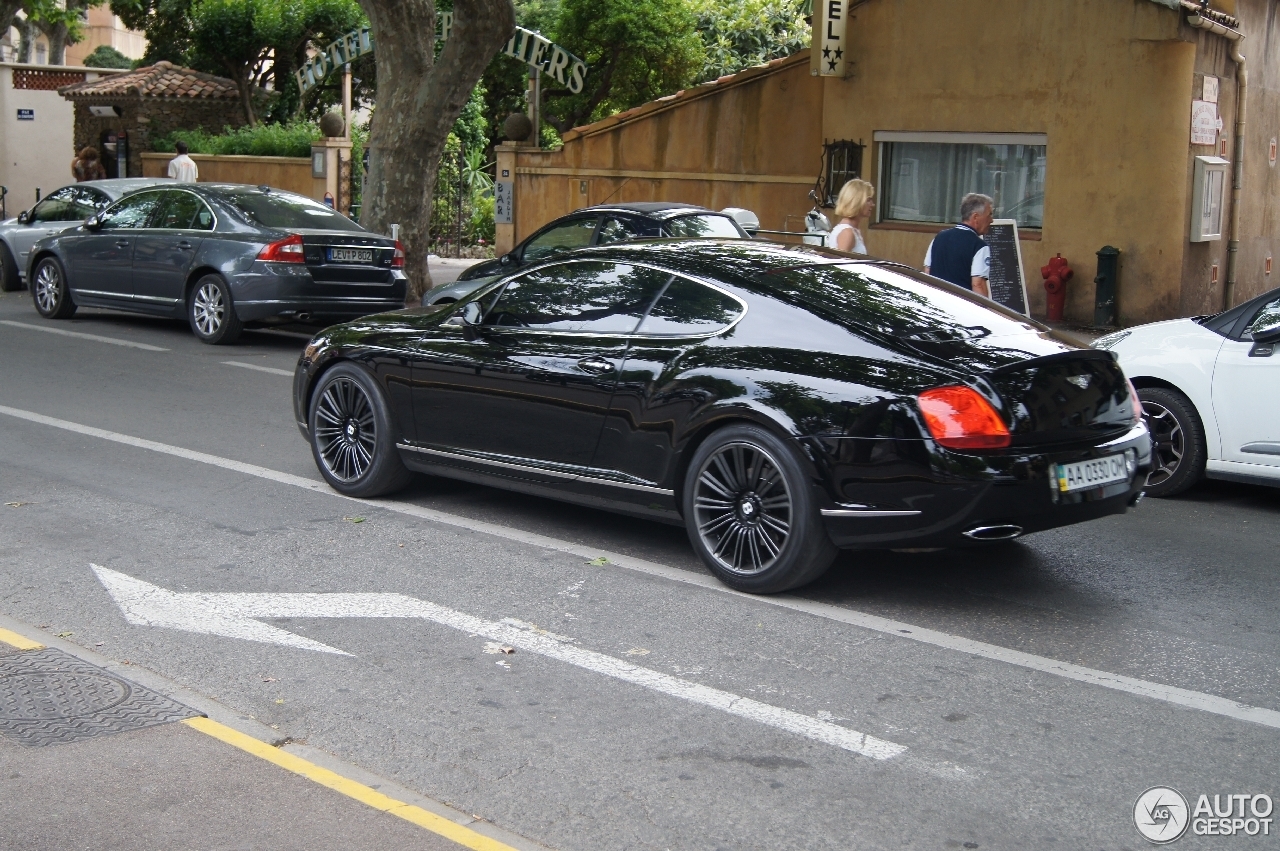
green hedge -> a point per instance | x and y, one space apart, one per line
265 140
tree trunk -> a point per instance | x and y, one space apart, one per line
57 36
26 39
419 99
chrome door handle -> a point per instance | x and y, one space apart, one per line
123 243
595 365
184 245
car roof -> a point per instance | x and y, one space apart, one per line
117 186
718 258
652 209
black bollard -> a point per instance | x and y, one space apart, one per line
1107 284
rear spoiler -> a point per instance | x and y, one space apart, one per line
1057 357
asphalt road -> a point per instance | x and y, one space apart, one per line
661 712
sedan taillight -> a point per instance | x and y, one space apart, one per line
397 259
960 418
287 250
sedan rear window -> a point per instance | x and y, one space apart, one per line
287 211
705 226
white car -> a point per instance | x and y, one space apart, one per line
1210 389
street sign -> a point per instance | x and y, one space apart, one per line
240 615
1008 286
26 115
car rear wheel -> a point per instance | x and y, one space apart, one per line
1177 441
750 512
10 278
49 290
351 435
211 313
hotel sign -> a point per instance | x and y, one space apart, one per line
527 46
829 37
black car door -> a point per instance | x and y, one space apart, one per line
100 261
527 394
164 251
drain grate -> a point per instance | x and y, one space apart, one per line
48 697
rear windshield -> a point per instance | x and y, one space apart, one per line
290 212
710 226
898 305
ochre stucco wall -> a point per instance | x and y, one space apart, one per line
292 174
760 136
1107 80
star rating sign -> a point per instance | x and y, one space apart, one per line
831 64
826 53
839 52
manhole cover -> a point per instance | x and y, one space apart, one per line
48 697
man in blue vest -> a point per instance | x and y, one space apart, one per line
959 254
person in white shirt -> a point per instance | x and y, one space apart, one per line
182 168
854 206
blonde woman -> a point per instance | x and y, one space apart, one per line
855 207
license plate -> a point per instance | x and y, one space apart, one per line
1094 473
350 255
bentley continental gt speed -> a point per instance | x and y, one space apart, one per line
779 402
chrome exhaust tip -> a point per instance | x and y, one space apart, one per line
1003 532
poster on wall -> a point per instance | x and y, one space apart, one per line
1008 286
502 212
1205 123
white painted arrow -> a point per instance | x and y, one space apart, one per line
237 615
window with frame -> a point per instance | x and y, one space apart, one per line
844 163
924 176
590 297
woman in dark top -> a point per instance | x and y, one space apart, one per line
88 166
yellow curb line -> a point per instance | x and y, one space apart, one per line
18 641
357 791
450 830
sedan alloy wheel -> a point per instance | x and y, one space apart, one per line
743 508
212 316
49 291
351 434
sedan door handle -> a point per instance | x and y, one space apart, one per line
123 243
184 245
596 365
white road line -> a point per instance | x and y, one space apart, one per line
115 341
236 614
270 369
1117 682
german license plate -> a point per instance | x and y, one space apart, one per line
350 255
1094 473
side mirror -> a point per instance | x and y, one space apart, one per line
468 317
24 217
92 223
506 259
1267 333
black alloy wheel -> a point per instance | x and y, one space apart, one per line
750 513
211 313
49 290
351 435
10 277
1177 441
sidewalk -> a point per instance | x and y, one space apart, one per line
91 760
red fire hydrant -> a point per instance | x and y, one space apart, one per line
1056 275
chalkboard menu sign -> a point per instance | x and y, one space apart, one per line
1008 287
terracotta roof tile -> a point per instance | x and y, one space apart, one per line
164 79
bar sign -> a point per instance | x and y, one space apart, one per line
26 115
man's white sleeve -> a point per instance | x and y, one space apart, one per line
173 171
928 256
981 263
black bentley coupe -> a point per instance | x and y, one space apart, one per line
779 402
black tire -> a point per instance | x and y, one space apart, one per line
211 312
49 290
1177 441
10 277
750 512
352 437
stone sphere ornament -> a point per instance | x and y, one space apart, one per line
517 127
332 125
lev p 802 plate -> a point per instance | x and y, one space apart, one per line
48 697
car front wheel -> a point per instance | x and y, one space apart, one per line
351 435
750 512
50 292
211 313
1177 441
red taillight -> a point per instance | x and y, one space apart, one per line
397 259
287 250
960 418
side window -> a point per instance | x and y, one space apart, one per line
1268 317
133 211
91 201
616 230
688 308
704 226
570 235
178 211
57 207
601 298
